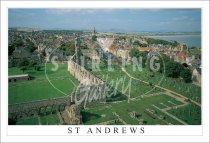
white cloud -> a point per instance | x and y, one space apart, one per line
77 11
61 11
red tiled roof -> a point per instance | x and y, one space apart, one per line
181 55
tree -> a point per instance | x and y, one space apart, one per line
186 75
122 37
143 45
136 42
43 53
32 63
130 41
144 56
30 46
134 53
12 121
37 67
68 48
94 38
23 62
176 43
84 46
150 84
18 42
23 68
173 69
103 64
11 49
163 42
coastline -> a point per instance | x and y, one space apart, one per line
174 35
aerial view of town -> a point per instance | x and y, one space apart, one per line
104 67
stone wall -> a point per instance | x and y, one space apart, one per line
18 77
82 74
28 109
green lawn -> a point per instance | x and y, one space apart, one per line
95 116
120 81
190 114
195 51
48 68
39 87
51 119
32 121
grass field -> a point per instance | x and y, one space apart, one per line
195 51
120 81
175 84
190 114
35 89
32 121
102 113
39 87
51 119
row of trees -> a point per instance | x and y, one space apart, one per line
169 67
68 48
24 64
94 38
173 69
20 43
136 53
163 42
155 41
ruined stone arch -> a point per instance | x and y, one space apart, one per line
42 110
21 115
33 112
49 109
62 107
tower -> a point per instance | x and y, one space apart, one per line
94 31
77 50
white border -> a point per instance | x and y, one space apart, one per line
157 133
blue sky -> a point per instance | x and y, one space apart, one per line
125 20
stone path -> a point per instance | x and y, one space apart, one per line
172 116
107 122
120 119
160 118
148 95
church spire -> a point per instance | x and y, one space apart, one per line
94 31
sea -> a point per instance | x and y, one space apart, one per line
190 40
